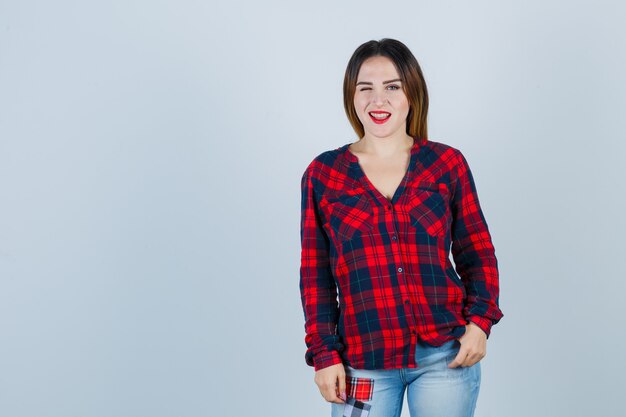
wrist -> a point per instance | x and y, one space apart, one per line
482 323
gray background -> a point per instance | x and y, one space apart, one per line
150 159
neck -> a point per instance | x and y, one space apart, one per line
388 146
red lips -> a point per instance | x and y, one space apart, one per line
379 120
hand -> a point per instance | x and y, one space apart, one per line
473 346
331 382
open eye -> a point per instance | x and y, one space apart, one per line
393 87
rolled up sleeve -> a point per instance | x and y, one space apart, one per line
317 285
473 252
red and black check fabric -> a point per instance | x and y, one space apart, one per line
376 274
359 388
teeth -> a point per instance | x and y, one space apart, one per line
380 115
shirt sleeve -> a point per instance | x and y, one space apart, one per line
473 252
317 285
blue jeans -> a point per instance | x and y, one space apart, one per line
433 389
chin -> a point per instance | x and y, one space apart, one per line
384 132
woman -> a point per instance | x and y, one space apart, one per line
385 310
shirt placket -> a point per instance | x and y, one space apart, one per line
405 287
399 260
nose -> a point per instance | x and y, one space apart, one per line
379 98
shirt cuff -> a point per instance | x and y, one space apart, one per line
325 359
482 322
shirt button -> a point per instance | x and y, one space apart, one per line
406 301
400 269
394 237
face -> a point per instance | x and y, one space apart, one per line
379 100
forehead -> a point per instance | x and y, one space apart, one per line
377 68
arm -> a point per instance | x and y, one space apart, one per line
473 252
317 285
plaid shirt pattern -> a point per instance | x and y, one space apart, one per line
375 274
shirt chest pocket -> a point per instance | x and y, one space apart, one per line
350 215
428 207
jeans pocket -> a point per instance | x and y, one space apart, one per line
460 372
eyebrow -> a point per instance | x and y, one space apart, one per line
384 82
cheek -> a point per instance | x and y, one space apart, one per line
404 103
360 106
359 103
404 106
361 116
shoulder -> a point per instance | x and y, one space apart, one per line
442 149
451 156
325 162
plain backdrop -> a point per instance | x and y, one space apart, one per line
150 162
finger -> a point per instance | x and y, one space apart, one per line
472 359
332 396
465 359
329 393
337 400
342 386
469 361
458 359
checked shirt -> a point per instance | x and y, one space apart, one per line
376 274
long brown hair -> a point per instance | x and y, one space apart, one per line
413 84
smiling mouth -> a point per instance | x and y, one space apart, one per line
379 117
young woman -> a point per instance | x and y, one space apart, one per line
385 310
